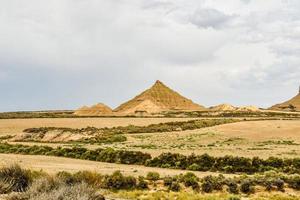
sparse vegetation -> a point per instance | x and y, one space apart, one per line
227 164
115 134
85 185
153 176
39 114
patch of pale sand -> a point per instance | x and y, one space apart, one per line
262 130
52 164
16 126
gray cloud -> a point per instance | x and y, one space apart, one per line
205 18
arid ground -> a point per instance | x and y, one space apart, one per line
258 138
280 138
16 126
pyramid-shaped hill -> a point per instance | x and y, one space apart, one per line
99 109
156 99
290 105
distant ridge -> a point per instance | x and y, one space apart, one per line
228 107
290 105
223 107
95 110
156 99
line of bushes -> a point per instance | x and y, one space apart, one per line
227 164
209 114
205 162
104 155
115 134
152 128
33 183
38 114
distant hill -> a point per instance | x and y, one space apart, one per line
223 107
230 108
95 110
156 99
290 105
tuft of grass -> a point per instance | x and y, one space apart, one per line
53 189
14 179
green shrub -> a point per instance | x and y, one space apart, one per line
268 185
234 198
294 182
194 167
207 187
168 181
142 184
246 187
279 184
91 178
66 177
232 187
118 181
190 180
153 176
175 186
216 182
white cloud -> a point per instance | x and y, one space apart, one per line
213 49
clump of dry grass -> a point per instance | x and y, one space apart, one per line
49 188
14 179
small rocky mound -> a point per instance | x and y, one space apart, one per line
248 109
99 109
228 108
223 107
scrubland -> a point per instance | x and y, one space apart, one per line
155 158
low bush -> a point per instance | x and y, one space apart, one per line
207 187
232 187
153 176
117 181
91 178
190 180
210 183
246 187
168 180
279 184
175 186
294 182
142 184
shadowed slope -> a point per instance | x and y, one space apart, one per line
290 105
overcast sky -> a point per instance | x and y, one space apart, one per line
62 54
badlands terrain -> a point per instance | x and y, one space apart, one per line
158 145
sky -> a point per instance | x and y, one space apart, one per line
63 54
